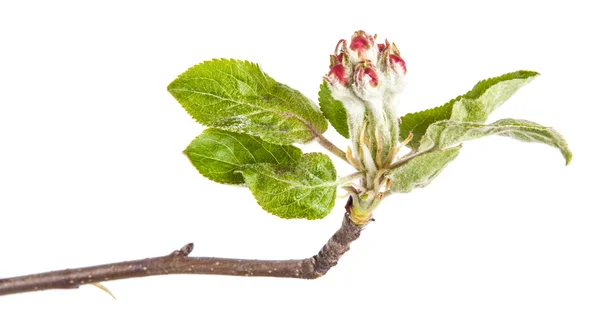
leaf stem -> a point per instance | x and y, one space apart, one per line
349 178
329 146
406 158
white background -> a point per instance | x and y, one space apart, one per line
91 169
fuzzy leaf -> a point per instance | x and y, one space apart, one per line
489 94
418 122
421 170
238 96
474 106
333 110
219 155
449 133
305 189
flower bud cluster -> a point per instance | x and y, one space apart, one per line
367 77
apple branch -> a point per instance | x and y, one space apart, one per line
179 262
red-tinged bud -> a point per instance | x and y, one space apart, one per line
397 61
360 44
362 69
373 74
366 73
337 74
390 59
362 47
367 78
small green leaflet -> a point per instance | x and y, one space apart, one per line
448 133
421 170
238 96
333 110
474 106
305 189
219 155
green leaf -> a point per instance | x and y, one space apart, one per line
487 95
448 133
238 96
219 155
421 170
333 110
418 122
305 189
474 106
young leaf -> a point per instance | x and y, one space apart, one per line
219 155
238 96
421 170
418 122
448 133
489 94
305 189
474 106
333 110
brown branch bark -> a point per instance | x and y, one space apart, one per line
179 262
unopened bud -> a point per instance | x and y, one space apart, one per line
366 74
362 47
367 77
337 74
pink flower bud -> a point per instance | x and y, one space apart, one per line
337 73
367 78
361 42
362 47
366 73
340 69
360 68
397 61
392 57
